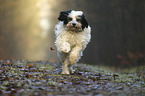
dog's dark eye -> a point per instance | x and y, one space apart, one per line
69 19
78 20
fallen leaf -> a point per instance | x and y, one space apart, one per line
51 48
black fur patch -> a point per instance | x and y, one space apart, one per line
63 16
84 22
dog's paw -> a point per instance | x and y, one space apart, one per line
66 50
72 71
64 72
65 47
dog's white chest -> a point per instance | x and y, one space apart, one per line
74 38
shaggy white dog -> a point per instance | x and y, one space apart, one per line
72 36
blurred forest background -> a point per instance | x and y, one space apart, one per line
118 30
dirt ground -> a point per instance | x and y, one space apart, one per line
41 78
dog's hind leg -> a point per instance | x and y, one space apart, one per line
64 61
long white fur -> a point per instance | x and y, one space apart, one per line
70 45
75 13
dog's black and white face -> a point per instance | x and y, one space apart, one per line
73 20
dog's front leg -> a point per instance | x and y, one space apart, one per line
65 69
62 46
64 60
74 57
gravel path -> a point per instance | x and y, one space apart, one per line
35 78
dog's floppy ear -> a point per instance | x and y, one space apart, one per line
63 15
84 22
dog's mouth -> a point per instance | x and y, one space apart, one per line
74 28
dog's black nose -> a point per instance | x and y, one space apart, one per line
74 24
